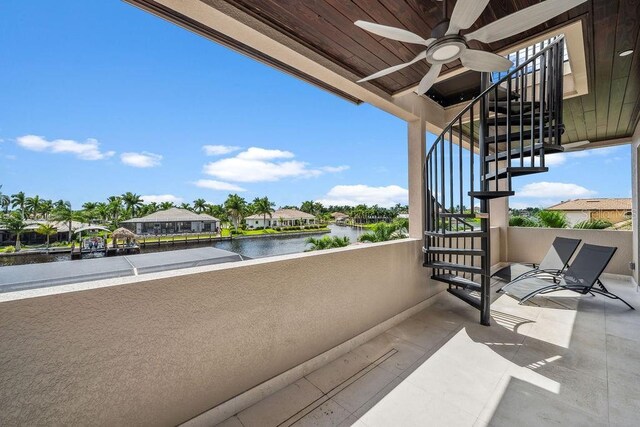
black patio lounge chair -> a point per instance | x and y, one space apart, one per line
580 277
553 264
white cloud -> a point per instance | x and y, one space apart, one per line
217 185
159 198
334 169
363 194
557 159
262 165
141 160
219 150
88 150
553 160
255 153
554 190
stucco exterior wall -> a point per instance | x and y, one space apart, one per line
635 201
575 217
531 244
161 351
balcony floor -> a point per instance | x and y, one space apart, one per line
561 360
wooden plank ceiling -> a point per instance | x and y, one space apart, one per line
610 110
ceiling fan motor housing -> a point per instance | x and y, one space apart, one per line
440 30
446 49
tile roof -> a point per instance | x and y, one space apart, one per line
172 215
592 205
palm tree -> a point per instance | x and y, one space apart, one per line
236 206
307 206
131 202
101 211
326 242
199 205
5 201
186 206
46 207
60 204
166 205
15 224
32 206
553 219
217 211
318 244
66 214
46 230
89 210
17 201
115 208
382 232
263 206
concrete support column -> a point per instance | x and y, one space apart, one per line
499 209
635 203
417 143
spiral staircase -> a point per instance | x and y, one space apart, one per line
505 132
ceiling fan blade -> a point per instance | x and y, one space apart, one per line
522 20
479 60
429 79
393 33
465 13
420 56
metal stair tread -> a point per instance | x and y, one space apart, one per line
514 106
455 233
454 215
526 135
466 297
441 265
516 154
491 194
453 251
452 279
516 171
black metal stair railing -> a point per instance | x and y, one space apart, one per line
503 133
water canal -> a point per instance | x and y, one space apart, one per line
257 247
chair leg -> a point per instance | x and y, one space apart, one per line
612 296
539 291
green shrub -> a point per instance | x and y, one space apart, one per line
522 221
9 249
553 219
594 224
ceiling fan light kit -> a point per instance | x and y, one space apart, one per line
446 44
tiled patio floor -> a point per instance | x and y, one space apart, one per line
566 361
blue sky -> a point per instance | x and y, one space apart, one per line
100 98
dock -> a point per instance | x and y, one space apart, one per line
144 241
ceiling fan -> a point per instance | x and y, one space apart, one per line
446 44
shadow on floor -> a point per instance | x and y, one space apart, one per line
560 360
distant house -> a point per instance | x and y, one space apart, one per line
612 210
281 218
339 217
403 215
29 235
172 221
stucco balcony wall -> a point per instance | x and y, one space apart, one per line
531 244
161 349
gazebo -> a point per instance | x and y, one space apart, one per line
122 234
